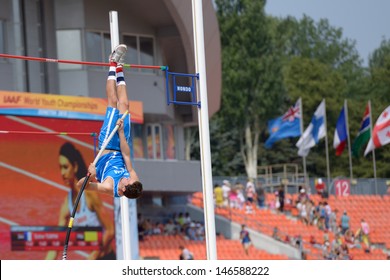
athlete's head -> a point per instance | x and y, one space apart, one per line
130 188
133 190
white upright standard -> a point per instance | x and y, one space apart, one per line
124 203
204 131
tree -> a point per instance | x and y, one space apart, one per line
319 63
252 84
379 67
379 93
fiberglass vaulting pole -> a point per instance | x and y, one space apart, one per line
204 131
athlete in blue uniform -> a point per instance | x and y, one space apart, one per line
114 171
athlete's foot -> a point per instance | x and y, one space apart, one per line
118 55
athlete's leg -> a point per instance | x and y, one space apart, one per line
117 56
123 101
111 86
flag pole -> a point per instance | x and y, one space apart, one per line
301 124
348 139
373 151
327 150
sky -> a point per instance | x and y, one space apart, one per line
366 22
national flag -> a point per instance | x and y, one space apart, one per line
364 133
380 132
288 125
314 132
340 134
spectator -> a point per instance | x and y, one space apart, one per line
158 228
316 216
302 196
336 243
141 229
226 189
344 252
349 238
148 227
250 191
170 228
281 198
322 214
245 239
185 254
344 222
187 221
233 198
310 211
191 232
180 220
248 208
320 187
333 221
364 231
388 188
260 194
200 231
218 196
326 247
314 242
275 204
303 215
328 212
240 196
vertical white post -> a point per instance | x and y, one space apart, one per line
124 204
204 132
301 128
373 151
20 68
327 150
348 139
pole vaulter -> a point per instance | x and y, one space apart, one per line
70 224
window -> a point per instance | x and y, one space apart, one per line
146 52
2 36
169 142
140 51
138 141
98 46
154 141
69 51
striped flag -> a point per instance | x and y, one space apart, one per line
340 134
380 133
364 133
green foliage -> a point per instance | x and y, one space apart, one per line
268 63
380 72
250 86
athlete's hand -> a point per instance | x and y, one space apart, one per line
92 170
119 123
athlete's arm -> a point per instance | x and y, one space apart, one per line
125 150
105 188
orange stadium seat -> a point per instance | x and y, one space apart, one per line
373 208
